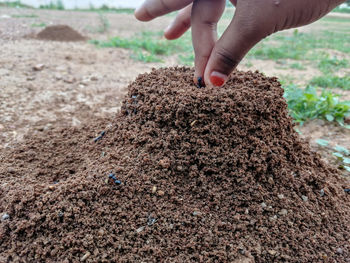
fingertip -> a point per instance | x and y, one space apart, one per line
169 33
199 82
176 30
141 14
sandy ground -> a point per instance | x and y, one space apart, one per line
79 82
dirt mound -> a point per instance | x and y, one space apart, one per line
181 175
60 33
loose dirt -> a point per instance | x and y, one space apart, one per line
60 33
81 82
207 175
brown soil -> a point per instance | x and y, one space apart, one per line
60 33
206 175
80 82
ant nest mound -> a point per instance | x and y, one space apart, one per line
60 33
185 175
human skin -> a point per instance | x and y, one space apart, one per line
253 20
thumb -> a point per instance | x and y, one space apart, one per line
241 35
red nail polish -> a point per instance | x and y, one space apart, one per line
217 81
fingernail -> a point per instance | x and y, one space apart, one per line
217 79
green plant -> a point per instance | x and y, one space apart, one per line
341 153
327 64
145 57
292 47
58 5
147 46
330 81
38 25
16 4
297 65
305 104
303 46
25 16
104 23
287 80
106 8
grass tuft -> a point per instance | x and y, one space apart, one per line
328 64
330 81
16 4
104 23
150 46
58 5
305 104
24 16
38 25
297 65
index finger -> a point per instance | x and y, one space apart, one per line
151 9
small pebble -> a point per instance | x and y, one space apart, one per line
273 218
179 168
272 252
340 250
38 67
280 196
5 217
196 213
164 163
85 257
263 205
305 198
93 78
283 212
161 193
101 232
270 180
246 211
154 189
10 169
140 229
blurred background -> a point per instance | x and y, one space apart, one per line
71 4
68 62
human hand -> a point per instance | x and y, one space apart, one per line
253 20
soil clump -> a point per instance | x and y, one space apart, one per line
180 175
60 33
